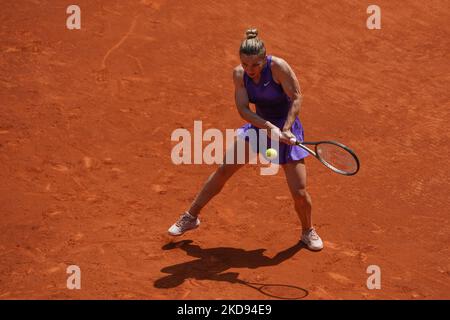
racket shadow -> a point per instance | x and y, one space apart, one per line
212 264
278 291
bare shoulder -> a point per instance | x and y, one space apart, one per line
281 69
238 75
279 65
238 71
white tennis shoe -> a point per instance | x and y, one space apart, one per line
185 222
312 240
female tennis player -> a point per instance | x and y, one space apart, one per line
270 84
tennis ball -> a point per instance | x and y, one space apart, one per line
271 153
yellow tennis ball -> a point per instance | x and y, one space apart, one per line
271 153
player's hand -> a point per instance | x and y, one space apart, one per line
288 137
274 133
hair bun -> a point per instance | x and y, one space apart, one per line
251 33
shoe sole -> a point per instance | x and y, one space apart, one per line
312 249
180 234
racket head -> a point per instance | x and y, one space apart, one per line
337 157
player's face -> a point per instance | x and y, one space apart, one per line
253 65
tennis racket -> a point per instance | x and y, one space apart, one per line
334 155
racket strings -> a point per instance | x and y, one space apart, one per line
337 157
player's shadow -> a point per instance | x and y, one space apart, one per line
212 263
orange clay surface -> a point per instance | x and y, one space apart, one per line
85 144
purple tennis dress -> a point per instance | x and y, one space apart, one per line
272 104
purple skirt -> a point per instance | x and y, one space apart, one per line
286 153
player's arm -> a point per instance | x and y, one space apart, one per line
242 102
286 77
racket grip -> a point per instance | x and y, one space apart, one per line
293 140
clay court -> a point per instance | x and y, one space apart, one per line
85 150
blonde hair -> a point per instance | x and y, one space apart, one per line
252 44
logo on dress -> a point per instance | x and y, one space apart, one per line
266 84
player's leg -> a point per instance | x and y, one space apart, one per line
212 186
296 178
218 178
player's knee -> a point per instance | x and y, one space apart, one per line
300 195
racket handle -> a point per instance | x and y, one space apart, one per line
293 140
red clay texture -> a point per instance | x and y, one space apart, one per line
87 177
